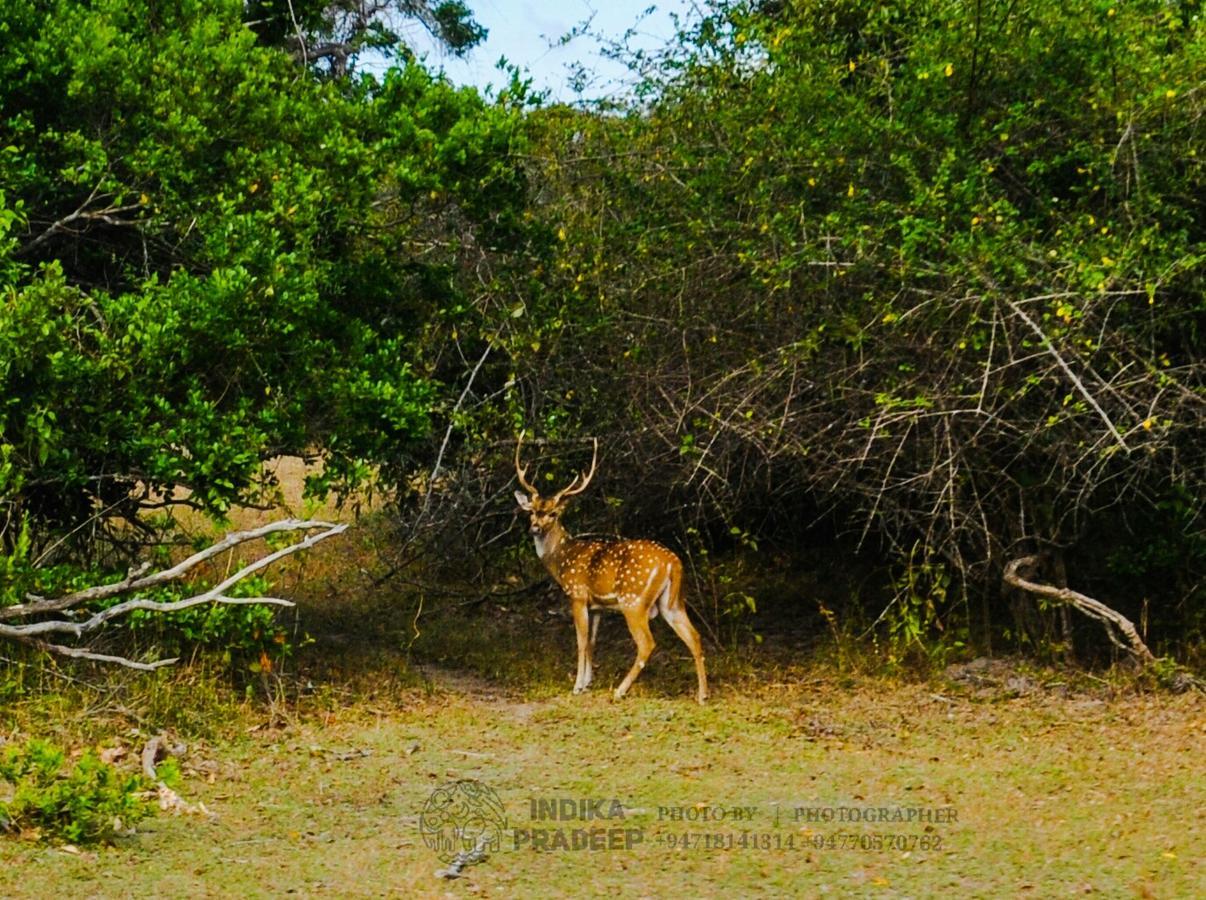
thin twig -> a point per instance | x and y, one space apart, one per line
1068 371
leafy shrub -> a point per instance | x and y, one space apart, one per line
87 802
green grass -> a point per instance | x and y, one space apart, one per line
1052 796
1055 792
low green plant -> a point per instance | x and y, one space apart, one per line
914 619
88 802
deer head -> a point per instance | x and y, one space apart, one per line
546 512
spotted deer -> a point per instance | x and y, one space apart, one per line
636 578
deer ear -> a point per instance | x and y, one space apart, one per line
522 499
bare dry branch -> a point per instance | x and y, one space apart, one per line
31 632
108 215
1093 608
38 605
1068 371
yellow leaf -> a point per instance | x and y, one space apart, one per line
561 234
850 190
949 70
253 187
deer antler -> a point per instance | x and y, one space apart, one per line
521 471
574 487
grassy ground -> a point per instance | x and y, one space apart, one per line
1040 795
1019 782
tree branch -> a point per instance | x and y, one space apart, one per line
30 632
100 592
1068 371
1093 608
106 215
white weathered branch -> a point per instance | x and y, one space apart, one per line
134 583
32 632
108 215
81 653
1093 608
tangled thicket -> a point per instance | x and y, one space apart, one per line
928 276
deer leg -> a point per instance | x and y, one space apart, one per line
582 629
594 617
677 617
638 624
674 611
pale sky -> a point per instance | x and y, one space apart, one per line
522 30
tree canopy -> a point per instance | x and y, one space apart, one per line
211 257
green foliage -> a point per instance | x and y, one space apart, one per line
912 620
87 801
332 34
209 257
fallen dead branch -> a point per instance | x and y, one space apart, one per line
34 632
1095 609
158 748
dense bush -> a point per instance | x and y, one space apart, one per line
920 280
924 279
209 256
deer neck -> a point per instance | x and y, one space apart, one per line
548 545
